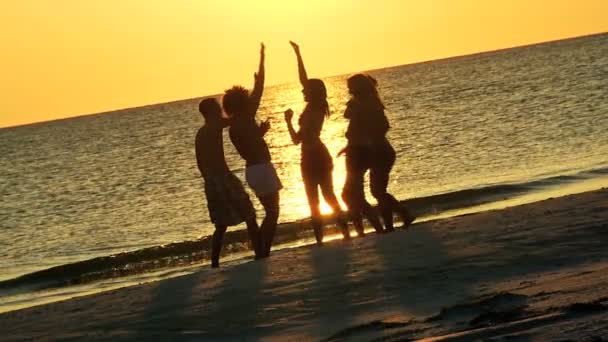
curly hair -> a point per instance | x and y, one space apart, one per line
235 100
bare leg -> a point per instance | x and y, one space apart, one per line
254 235
386 202
312 194
366 209
379 177
372 217
269 224
358 223
317 226
406 217
353 196
389 204
327 187
216 245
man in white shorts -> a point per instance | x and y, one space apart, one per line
227 201
248 138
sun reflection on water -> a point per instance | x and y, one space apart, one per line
286 155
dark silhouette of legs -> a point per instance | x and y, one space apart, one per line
216 245
372 217
386 202
325 182
351 194
357 209
357 219
327 188
269 224
354 196
312 193
379 177
254 235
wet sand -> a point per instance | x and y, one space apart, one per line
531 272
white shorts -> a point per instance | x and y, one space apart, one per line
263 179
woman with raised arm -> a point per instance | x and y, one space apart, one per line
316 163
369 148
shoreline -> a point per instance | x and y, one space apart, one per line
25 294
494 269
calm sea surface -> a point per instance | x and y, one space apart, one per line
94 186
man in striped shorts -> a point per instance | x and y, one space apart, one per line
228 203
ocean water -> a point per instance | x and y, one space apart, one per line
115 194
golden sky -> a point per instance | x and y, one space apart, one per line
62 58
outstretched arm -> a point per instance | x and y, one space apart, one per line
258 86
301 68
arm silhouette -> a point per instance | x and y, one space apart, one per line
264 127
258 86
295 136
301 68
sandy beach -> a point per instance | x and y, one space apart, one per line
527 273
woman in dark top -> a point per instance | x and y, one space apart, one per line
316 163
359 155
369 148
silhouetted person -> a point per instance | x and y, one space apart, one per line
358 162
248 138
228 203
316 163
369 126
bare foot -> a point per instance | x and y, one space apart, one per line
345 231
318 235
407 218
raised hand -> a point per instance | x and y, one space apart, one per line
264 127
258 84
301 69
295 46
288 115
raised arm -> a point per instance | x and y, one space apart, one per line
258 86
301 68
